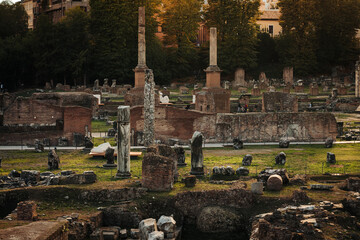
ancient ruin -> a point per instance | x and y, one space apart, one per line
123 142
149 108
197 158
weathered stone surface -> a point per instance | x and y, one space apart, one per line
329 142
30 176
274 183
321 187
330 158
46 230
109 155
242 171
280 158
300 197
219 219
180 153
265 174
288 75
352 205
88 143
158 172
123 142
190 181
247 160
53 160
111 132
284 143
197 158
192 202
149 108
39 147
146 227
167 224
178 123
156 235
298 179
121 216
239 78
257 188
88 177
101 148
238 144
353 184
279 102
165 151
27 211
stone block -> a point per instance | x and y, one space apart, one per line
280 158
279 102
156 235
274 183
30 176
167 224
247 160
158 172
190 181
27 211
257 188
242 171
330 158
146 227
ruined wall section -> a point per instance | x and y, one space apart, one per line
279 102
250 127
270 127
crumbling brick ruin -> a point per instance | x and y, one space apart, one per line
46 115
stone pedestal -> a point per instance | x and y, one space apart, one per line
255 91
288 75
239 78
314 90
257 188
27 211
123 142
299 89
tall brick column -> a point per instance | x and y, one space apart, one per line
123 142
213 71
141 67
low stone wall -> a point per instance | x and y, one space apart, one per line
41 230
250 127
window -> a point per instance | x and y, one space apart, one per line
271 30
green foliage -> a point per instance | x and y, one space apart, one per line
13 19
236 25
318 34
180 23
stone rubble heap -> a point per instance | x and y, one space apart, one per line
28 178
302 222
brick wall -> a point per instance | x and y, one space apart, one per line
76 118
279 102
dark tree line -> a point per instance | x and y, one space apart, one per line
82 47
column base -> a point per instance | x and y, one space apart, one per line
109 166
123 175
198 172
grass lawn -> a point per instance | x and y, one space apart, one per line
301 159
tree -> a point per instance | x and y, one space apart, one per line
236 25
114 27
321 33
13 19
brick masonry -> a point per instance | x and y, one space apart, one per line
157 172
27 211
181 124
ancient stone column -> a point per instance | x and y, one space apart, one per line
357 78
197 158
213 71
123 142
149 108
213 47
140 68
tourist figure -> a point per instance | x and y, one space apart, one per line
245 108
1 87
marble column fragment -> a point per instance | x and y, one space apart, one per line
149 108
123 142
197 158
